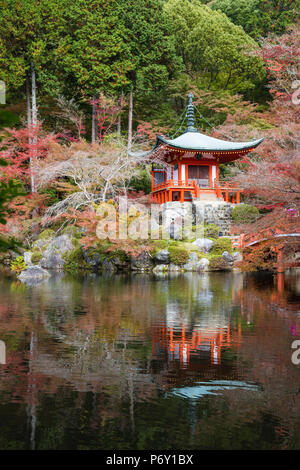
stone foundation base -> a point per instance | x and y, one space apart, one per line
198 213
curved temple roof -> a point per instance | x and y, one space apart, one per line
200 142
193 140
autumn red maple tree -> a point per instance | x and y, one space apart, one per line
20 149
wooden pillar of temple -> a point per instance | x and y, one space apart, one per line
179 173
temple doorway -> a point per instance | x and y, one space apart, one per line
200 174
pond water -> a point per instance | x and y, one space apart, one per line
189 361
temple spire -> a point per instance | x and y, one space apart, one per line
190 114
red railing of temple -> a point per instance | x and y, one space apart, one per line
224 189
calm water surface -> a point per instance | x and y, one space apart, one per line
192 361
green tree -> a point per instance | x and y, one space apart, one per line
29 33
8 190
259 18
151 49
215 52
93 53
151 44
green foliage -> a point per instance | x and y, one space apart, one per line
93 50
52 196
218 264
8 119
142 182
220 245
18 265
178 255
213 47
245 214
46 234
259 18
8 191
211 231
72 231
159 245
36 257
150 40
74 260
120 254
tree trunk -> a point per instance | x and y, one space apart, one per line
119 125
119 117
33 95
93 120
28 104
130 121
34 123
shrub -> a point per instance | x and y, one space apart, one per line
53 196
36 257
259 258
178 256
219 264
159 245
211 231
18 265
74 260
48 233
120 254
72 231
142 182
245 214
220 245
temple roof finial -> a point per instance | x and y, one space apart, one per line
190 114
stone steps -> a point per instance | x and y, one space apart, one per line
208 197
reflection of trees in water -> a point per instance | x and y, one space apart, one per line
268 350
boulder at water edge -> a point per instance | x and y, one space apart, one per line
162 257
33 275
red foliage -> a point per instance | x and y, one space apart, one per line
19 146
281 56
22 209
140 197
106 113
148 131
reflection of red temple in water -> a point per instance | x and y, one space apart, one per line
181 344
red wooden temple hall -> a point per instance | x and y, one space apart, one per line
193 165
